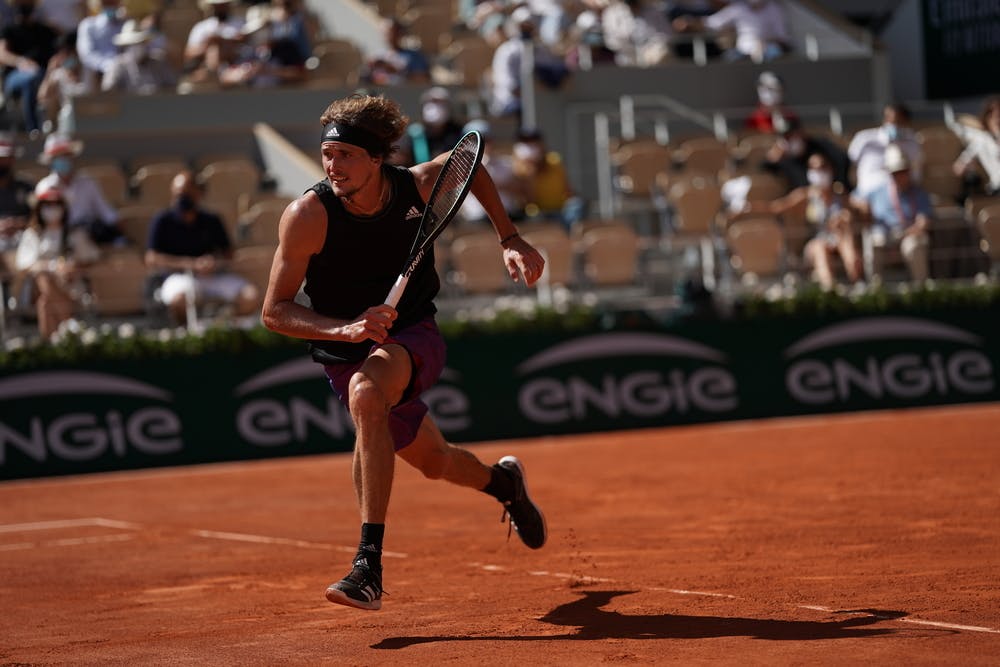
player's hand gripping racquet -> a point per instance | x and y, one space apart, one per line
450 189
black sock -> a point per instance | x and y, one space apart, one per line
501 486
371 543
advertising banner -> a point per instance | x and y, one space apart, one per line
961 47
121 415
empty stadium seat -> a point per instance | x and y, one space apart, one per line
610 255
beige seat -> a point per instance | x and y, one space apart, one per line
337 60
940 181
706 154
939 144
756 248
117 283
477 264
259 225
134 221
989 229
224 182
111 179
254 264
552 240
468 60
610 255
766 187
428 23
695 206
152 182
637 165
751 150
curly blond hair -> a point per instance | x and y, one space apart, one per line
378 115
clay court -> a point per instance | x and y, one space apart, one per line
864 538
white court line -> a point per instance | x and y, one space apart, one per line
67 523
681 591
264 539
67 542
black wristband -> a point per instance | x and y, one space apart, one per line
509 237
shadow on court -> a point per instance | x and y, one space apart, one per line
595 623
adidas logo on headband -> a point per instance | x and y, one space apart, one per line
332 132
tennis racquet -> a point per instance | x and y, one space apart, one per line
450 189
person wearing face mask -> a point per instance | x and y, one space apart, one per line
188 248
549 194
399 63
770 115
88 207
982 145
213 42
65 79
824 204
141 66
26 45
436 133
549 69
761 30
789 156
50 255
95 36
14 197
867 149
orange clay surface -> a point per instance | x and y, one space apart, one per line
870 538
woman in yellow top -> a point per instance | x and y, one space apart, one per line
549 195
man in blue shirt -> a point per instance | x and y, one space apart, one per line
900 213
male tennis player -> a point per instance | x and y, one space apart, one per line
348 237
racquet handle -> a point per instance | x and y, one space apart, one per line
396 293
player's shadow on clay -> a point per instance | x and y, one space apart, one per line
592 622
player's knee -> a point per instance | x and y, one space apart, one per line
366 398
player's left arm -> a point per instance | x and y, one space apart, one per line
519 256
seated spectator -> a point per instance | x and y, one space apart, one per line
142 64
188 246
26 45
506 66
263 61
789 157
14 197
399 63
867 149
513 190
96 34
549 194
88 208
637 31
289 24
761 33
770 114
826 207
900 212
213 42
51 254
982 145
63 16
436 133
587 36
65 79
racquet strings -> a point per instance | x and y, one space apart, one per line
452 183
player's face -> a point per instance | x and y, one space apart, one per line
348 167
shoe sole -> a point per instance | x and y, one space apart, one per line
524 481
337 596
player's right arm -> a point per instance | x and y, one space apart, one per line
301 234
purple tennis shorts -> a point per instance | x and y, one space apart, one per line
427 354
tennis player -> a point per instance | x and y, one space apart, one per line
348 237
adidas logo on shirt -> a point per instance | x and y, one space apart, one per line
414 212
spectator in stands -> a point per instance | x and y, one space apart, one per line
289 24
867 149
14 196
65 79
437 132
637 31
506 67
51 254
789 157
213 42
825 205
96 34
587 37
88 207
63 16
900 212
761 32
399 63
770 115
188 246
513 190
982 145
549 195
263 61
26 45
142 65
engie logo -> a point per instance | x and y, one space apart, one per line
85 435
269 422
693 381
892 363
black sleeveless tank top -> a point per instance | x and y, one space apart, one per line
361 259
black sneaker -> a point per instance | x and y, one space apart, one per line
362 588
525 516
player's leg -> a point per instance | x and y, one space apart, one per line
373 390
437 458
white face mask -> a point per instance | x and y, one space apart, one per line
528 152
50 214
891 131
434 113
769 97
819 177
